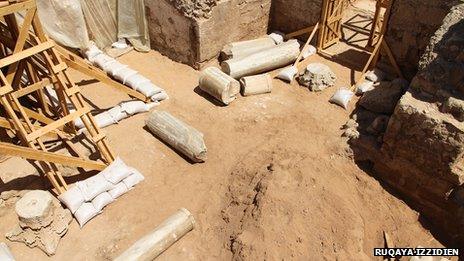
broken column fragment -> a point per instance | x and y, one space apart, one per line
219 85
317 77
177 134
256 84
245 48
160 239
263 61
42 221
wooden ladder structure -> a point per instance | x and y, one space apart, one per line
330 23
26 69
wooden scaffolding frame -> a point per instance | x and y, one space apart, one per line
28 64
330 24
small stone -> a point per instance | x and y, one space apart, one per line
379 125
455 107
317 77
351 124
351 134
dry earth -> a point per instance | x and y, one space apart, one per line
279 182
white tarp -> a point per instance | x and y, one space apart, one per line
64 22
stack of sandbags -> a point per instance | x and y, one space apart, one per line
118 113
108 117
87 198
125 75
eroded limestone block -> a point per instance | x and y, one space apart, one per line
42 221
317 77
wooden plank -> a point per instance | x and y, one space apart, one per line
13 8
31 88
299 32
56 124
32 154
25 53
105 79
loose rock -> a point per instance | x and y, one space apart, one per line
317 77
455 107
383 98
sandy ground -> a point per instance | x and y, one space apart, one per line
279 182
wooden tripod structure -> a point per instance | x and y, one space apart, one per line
29 61
330 33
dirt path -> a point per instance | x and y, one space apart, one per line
278 183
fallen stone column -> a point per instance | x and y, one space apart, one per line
257 84
179 135
263 61
219 85
245 48
160 239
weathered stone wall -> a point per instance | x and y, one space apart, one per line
423 146
194 33
411 24
171 33
291 15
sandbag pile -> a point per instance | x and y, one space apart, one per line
125 75
118 113
108 117
87 198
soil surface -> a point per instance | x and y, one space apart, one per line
279 182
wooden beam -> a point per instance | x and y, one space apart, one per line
25 53
32 154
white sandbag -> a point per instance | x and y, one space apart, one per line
102 200
72 198
134 80
342 97
114 68
363 87
134 107
103 119
159 96
133 179
116 171
288 73
148 89
277 37
118 190
85 213
124 74
5 253
310 50
120 44
376 75
101 59
93 186
92 52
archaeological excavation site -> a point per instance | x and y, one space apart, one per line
232 130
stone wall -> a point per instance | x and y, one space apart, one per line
291 15
423 146
411 24
194 33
